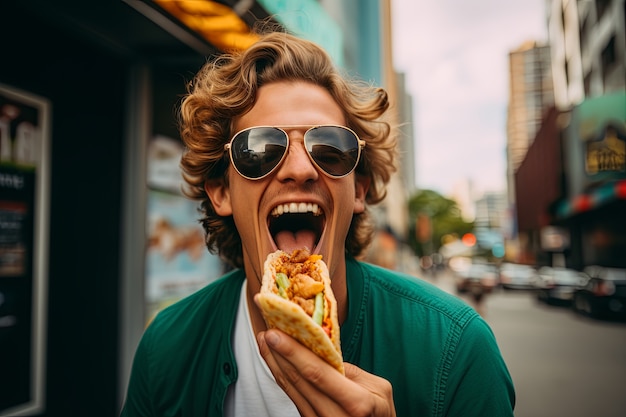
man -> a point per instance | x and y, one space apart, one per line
251 124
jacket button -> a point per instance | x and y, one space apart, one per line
226 368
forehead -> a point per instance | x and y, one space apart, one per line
292 103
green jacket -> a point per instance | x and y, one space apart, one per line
438 353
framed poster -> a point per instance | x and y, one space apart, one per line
24 208
177 260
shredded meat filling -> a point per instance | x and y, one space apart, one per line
305 280
307 305
300 256
306 287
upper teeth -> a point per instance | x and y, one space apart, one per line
296 208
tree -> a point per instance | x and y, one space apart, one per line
432 217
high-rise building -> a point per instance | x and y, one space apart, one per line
530 95
588 42
406 140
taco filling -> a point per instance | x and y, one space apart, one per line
299 280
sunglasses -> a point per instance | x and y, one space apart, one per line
257 151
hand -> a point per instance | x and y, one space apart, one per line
318 389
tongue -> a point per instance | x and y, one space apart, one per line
290 241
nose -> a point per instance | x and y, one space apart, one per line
297 165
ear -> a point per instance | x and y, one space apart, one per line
361 185
219 194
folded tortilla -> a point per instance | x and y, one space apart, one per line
285 312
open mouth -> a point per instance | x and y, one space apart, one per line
296 226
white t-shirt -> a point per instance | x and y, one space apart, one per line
256 392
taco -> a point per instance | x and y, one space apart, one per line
296 297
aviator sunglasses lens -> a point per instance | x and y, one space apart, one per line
258 150
333 148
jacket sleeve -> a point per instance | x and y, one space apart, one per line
138 401
478 382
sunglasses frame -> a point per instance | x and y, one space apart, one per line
360 143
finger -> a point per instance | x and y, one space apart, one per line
272 362
368 381
303 377
382 390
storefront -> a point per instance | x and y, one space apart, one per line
595 163
597 226
571 187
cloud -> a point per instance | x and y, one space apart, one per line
455 57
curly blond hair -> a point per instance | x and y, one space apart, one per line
226 88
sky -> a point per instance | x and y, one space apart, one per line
454 54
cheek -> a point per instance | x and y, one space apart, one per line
245 205
245 200
348 199
345 203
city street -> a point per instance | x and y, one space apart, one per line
563 365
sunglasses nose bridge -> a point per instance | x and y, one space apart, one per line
297 163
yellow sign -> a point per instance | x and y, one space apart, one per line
607 154
215 22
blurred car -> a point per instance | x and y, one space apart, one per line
477 274
557 284
604 293
517 276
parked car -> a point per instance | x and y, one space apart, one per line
604 293
517 276
557 284
485 275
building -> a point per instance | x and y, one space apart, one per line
538 185
530 96
407 135
491 222
588 44
570 186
